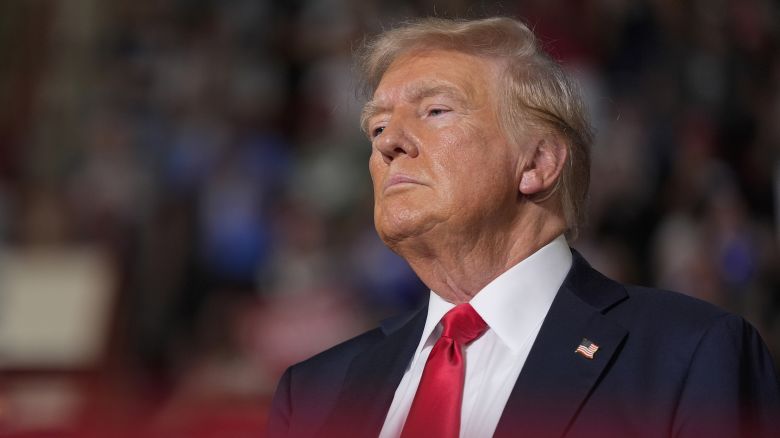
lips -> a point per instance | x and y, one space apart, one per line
399 179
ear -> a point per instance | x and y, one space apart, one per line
542 171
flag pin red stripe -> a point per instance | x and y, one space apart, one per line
587 348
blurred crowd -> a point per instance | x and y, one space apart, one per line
198 166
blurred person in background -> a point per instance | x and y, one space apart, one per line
480 164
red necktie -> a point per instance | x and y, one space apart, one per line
435 411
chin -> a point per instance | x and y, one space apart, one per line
399 226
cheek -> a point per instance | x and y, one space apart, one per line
376 168
446 164
453 143
479 168
464 156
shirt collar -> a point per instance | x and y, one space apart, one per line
515 303
437 307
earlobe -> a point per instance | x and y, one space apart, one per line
530 183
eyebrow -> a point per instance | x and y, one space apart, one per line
421 91
414 94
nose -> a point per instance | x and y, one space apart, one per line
396 140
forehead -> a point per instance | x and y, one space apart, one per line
441 71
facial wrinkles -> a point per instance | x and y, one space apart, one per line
455 143
415 96
403 125
462 91
459 142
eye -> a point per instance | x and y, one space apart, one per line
437 111
376 131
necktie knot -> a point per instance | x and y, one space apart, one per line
463 324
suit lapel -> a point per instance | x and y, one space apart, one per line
373 376
555 381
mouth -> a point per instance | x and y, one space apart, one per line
399 180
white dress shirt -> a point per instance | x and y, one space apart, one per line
513 305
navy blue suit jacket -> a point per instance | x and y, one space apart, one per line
667 365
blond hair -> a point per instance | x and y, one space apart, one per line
536 93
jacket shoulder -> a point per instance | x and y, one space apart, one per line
669 317
672 305
307 390
337 357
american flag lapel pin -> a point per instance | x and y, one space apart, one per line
587 348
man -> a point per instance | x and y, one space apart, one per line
480 169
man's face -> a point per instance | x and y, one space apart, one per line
440 160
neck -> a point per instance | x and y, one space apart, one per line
456 266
